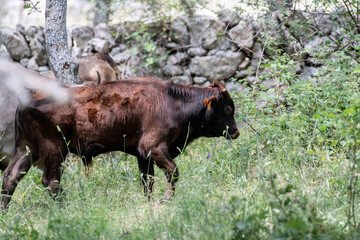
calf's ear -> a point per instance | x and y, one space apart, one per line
209 104
209 101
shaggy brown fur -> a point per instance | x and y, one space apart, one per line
94 69
148 118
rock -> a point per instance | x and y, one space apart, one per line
177 58
187 72
292 44
241 74
102 31
88 50
243 35
219 52
316 46
132 67
179 32
184 80
172 46
15 43
31 31
202 27
43 69
120 48
196 51
223 44
254 65
213 52
257 51
257 55
252 80
261 103
270 83
4 55
100 45
121 57
76 52
115 51
270 24
326 25
204 84
298 67
314 61
32 65
21 29
234 47
199 80
217 67
172 70
309 72
234 87
229 17
244 64
209 40
81 35
24 62
293 47
36 41
162 53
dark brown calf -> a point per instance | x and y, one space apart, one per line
147 118
99 68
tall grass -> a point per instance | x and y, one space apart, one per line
286 177
257 187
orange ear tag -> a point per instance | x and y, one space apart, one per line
209 106
206 102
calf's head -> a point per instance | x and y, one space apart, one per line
219 114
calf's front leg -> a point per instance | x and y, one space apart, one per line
146 167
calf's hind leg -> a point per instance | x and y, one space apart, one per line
17 169
52 175
163 160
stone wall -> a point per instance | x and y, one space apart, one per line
195 50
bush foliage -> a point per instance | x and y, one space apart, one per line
292 174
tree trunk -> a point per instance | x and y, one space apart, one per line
102 11
60 61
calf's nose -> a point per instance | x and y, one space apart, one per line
235 134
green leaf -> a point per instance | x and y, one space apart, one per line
309 151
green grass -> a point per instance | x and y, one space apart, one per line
288 180
233 193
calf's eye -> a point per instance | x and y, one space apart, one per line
229 109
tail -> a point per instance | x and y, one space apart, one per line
24 83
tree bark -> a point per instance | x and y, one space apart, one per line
102 12
60 61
